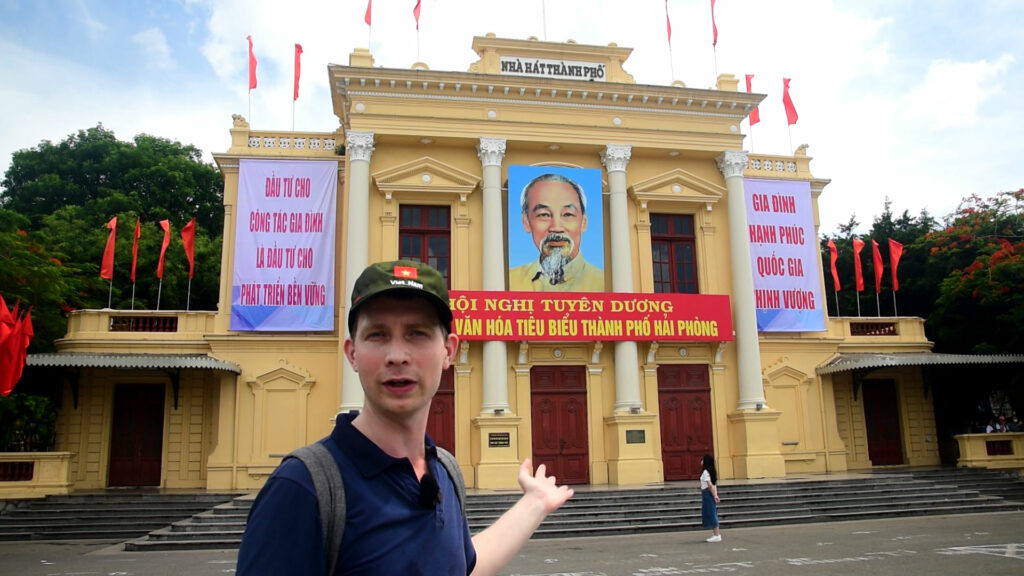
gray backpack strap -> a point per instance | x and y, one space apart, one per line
330 496
455 473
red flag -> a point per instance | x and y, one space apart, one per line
833 254
895 253
791 115
7 322
107 267
21 350
135 247
714 27
166 225
9 354
252 65
668 23
8 326
188 238
369 9
298 70
416 13
755 116
858 245
876 261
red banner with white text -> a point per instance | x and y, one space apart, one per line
590 316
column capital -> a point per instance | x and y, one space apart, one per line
359 145
491 151
615 157
732 163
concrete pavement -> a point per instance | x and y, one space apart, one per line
919 546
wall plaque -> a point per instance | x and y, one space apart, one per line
636 437
498 440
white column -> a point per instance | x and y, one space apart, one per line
358 148
615 158
491 151
748 353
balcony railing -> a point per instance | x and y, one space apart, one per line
874 329
143 323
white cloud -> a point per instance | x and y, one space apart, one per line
880 121
153 44
952 92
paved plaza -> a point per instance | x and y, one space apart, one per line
920 546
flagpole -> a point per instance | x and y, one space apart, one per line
894 310
133 296
789 131
878 304
188 299
159 290
836 292
714 50
110 294
544 18
858 304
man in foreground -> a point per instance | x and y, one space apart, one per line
402 512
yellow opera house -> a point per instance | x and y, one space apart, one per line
708 336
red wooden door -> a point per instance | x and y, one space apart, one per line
559 410
441 422
684 404
882 420
137 435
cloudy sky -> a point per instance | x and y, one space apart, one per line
914 100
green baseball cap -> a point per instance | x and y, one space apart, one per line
406 276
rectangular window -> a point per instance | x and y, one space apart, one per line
424 235
674 253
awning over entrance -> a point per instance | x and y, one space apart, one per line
854 361
81 360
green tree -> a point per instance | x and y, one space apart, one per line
905 229
40 278
70 190
980 305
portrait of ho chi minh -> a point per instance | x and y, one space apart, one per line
558 222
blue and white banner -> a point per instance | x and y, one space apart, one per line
784 256
283 278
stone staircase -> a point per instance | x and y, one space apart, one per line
114 515
676 507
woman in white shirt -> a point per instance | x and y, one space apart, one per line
709 497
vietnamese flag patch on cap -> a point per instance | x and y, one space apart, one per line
406 272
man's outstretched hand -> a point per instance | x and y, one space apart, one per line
542 487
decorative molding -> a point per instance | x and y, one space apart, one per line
359 145
732 163
676 185
595 357
491 151
443 179
615 157
652 352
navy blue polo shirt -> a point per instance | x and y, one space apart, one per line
388 529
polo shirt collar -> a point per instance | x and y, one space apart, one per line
366 456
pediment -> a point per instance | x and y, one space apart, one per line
783 374
284 376
677 185
425 174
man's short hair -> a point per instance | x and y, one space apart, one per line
552 177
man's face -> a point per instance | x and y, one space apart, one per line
555 219
399 351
